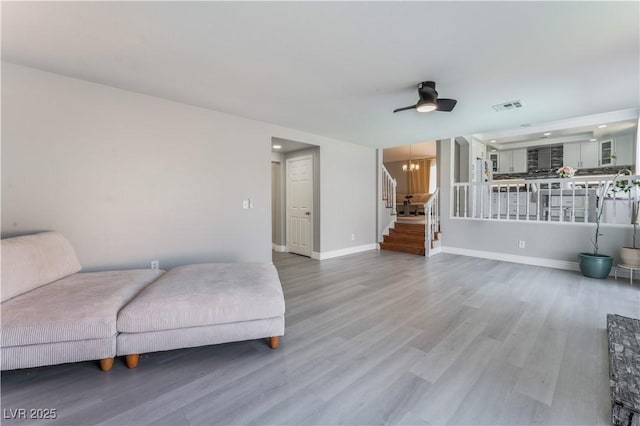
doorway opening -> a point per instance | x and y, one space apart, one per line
295 197
414 168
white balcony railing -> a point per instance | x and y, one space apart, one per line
572 200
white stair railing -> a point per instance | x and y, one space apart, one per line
389 185
432 222
387 203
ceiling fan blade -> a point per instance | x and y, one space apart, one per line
405 108
446 105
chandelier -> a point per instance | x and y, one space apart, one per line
409 166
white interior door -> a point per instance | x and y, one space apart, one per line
299 203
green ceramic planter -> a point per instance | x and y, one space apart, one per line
595 266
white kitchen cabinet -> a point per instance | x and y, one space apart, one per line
520 160
504 161
582 155
589 155
624 150
606 152
621 147
571 155
512 161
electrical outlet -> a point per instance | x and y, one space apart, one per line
521 244
353 237
245 204
155 264
250 203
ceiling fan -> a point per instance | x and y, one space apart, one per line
429 100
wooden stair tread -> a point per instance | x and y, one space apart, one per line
408 238
413 242
410 232
403 248
406 234
412 226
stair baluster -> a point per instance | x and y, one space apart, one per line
432 223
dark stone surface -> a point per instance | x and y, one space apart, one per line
552 173
624 369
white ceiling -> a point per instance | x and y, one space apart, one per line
597 126
339 68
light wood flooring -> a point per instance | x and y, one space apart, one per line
373 338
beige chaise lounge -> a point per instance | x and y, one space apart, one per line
54 314
204 304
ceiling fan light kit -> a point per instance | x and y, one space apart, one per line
426 107
429 100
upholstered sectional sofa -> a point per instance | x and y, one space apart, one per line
51 313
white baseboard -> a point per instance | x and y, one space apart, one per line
281 249
436 250
527 260
343 252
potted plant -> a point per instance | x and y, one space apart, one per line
597 265
630 255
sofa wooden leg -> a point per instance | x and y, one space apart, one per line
274 341
132 360
106 364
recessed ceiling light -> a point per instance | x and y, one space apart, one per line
602 126
277 146
593 140
548 134
493 141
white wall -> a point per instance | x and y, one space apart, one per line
130 178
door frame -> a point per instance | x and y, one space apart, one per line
287 198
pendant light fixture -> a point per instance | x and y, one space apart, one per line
409 166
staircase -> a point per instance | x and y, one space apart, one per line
405 237
411 237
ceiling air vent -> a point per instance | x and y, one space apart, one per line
508 105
